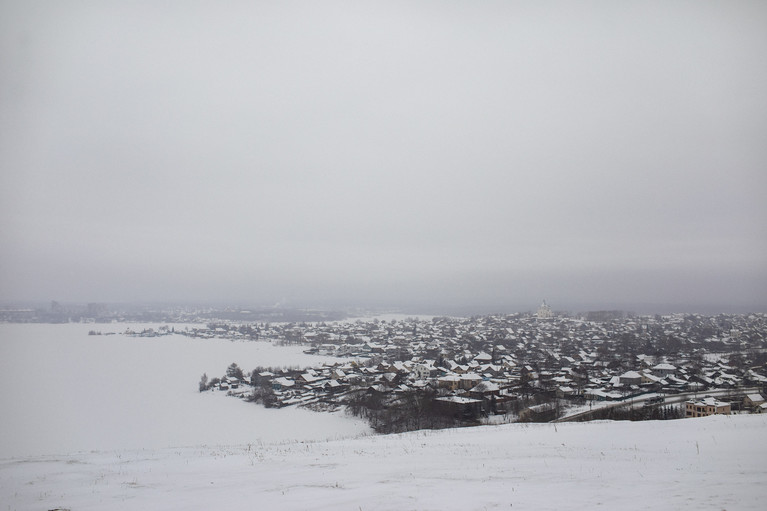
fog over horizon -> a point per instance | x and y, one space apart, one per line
418 155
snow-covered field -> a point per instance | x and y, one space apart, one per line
66 391
712 463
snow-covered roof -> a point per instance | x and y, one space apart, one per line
485 386
483 357
603 394
284 382
708 401
458 399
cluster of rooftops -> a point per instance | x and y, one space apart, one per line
506 356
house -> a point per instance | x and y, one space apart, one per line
462 407
753 401
650 381
333 386
420 372
450 381
231 382
705 407
483 358
663 370
484 389
390 379
457 368
630 378
282 383
469 380
306 378
378 390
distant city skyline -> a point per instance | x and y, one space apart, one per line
425 156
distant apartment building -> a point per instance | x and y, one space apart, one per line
705 407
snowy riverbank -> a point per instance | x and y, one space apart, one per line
66 391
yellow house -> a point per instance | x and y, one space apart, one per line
705 407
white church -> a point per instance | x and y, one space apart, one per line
544 311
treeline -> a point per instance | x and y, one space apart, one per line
409 411
646 413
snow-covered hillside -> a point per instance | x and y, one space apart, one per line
709 463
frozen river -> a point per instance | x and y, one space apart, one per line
66 391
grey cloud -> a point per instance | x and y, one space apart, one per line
428 154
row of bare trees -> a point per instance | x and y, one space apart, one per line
396 413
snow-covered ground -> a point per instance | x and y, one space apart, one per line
116 422
711 463
66 391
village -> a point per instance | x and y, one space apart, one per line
517 367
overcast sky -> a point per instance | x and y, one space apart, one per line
417 154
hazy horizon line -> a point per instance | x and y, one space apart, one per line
567 307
